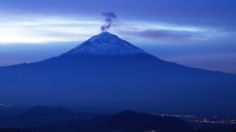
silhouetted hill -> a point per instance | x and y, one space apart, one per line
108 72
218 128
126 121
38 116
47 112
17 130
48 119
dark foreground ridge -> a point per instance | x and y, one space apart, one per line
17 130
126 121
60 119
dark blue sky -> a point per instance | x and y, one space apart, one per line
198 33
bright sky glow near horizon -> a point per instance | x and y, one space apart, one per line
48 29
194 33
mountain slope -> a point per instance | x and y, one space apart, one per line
109 72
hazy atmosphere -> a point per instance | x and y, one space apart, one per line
117 66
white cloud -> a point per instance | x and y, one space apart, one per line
33 29
46 30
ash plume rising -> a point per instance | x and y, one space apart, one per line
109 19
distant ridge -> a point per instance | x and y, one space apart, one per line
38 116
126 121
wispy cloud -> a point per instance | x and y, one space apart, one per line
45 29
168 32
163 34
31 29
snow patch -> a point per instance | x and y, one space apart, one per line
106 44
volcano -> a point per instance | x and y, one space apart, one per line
108 72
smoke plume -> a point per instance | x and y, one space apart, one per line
109 18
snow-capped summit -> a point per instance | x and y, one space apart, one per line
106 44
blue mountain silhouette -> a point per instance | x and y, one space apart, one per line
108 72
